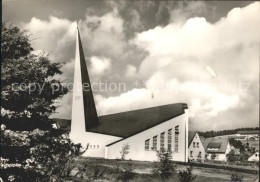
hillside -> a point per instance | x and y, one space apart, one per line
212 133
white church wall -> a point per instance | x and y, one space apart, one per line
96 143
137 142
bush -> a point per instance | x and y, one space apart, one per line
124 151
164 167
186 175
236 178
125 174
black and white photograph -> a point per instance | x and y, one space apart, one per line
130 91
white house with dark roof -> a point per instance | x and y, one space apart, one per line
144 130
201 149
217 149
196 147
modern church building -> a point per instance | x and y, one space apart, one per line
145 130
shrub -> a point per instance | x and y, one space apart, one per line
164 167
236 178
186 175
125 174
213 156
124 151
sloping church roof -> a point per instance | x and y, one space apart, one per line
128 123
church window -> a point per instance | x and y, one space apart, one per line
176 139
194 144
197 144
155 142
146 144
191 153
169 139
162 140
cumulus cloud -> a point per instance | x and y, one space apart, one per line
99 65
175 67
130 71
173 61
55 36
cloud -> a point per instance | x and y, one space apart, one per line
130 71
172 58
175 68
56 36
99 65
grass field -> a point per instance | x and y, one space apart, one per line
143 171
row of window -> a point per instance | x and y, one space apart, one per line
191 154
194 144
162 139
93 146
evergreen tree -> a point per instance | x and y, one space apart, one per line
31 149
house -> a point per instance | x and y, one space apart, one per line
217 149
254 157
196 147
145 130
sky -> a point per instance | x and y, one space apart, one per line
203 53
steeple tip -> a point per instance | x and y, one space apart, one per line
77 25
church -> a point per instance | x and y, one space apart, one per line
145 131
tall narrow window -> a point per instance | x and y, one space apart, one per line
191 153
146 145
162 141
155 142
194 144
198 145
176 139
170 140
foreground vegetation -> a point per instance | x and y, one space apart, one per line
31 149
107 170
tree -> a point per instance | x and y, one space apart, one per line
237 144
231 157
186 175
31 150
124 151
213 156
164 167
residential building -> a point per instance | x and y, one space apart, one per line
196 148
254 157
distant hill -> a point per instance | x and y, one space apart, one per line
212 133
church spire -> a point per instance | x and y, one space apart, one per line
84 114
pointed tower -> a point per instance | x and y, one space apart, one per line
84 114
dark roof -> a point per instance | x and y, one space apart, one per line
220 143
128 123
245 132
214 145
191 135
